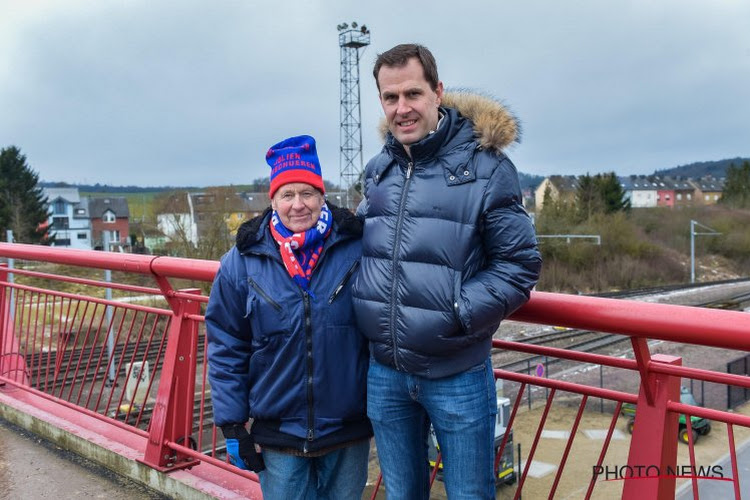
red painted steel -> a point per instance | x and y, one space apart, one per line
682 324
12 362
377 487
84 281
655 430
733 455
707 375
568 445
435 469
60 340
643 359
554 352
170 421
36 396
709 413
509 426
605 447
691 452
173 267
530 458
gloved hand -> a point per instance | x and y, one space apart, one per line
241 448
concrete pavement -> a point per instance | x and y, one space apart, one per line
31 468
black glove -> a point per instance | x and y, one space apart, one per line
241 448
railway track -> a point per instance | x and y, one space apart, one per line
588 341
578 340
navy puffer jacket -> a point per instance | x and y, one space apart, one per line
448 249
291 360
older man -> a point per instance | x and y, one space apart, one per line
283 348
448 252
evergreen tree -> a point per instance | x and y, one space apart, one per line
600 194
588 201
23 206
612 194
737 186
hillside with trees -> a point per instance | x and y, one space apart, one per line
737 187
529 181
701 169
640 247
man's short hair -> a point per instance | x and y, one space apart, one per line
399 56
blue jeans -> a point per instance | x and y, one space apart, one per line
340 474
462 410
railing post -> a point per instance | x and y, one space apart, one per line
653 447
3 316
12 362
172 419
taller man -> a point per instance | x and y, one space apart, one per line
448 252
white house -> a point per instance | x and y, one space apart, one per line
69 221
641 191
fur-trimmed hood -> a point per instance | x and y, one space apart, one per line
495 127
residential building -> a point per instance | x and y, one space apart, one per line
69 221
665 194
684 192
708 190
640 190
562 188
191 217
110 215
178 222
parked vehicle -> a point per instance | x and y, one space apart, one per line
701 426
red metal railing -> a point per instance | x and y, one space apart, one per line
140 369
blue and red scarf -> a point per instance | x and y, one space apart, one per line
301 251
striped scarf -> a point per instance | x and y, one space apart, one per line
301 251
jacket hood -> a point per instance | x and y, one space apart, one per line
252 231
495 127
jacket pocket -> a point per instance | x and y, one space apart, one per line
259 290
457 307
342 283
266 315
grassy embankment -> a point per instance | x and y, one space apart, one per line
647 247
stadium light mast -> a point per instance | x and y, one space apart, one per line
352 38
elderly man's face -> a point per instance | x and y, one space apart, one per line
298 205
409 103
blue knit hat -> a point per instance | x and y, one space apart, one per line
294 160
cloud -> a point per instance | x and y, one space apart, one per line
184 93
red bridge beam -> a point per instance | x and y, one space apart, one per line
170 267
708 327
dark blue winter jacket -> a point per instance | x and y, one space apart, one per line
291 360
448 249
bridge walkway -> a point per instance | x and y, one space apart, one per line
32 468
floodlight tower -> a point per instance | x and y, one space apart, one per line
351 39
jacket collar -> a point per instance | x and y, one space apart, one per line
431 144
254 235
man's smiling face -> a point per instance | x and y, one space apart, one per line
409 103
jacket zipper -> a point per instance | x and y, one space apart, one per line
308 337
396 246
263 294
340 287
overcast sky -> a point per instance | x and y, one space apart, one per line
193 93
